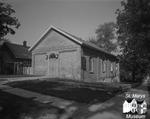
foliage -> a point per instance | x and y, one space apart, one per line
105 37
133 22
8 23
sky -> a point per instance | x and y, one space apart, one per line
78 17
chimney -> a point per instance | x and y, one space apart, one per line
25 43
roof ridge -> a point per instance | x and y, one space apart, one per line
19 51
17 44
58 30
78 40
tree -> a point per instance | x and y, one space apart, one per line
8 23
133 22
105 37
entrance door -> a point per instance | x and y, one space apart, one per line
53 65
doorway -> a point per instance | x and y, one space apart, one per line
53 65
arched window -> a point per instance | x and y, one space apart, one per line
53 56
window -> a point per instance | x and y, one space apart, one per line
103 66
116 67
46 57
53 56
111 67
84 63
91 64
100 64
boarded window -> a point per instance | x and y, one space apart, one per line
91 64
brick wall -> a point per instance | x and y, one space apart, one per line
98 74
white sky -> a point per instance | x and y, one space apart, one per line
79 17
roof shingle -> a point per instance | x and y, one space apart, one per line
89 44
19 51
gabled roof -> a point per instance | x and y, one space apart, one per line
74 38
58 30
19 51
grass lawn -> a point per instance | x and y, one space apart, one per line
145 87
67 91
14 107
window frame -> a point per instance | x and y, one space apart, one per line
103 66
117 67
84 63
91 65
111 67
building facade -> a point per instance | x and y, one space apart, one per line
58 54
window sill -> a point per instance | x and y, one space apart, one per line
91 72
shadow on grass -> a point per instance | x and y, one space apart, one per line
14 107
67 91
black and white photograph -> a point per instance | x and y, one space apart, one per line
74 59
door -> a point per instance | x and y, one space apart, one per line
53 65
40 64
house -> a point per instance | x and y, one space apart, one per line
15 58
63 55
134 106
126 107
142 109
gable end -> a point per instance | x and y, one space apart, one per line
58 31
